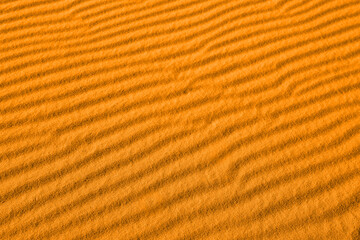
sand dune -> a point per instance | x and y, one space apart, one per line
187 119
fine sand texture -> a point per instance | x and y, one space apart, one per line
179 119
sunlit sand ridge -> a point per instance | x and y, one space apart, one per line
186 119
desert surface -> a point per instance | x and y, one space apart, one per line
179 119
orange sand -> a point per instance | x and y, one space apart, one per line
187 119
